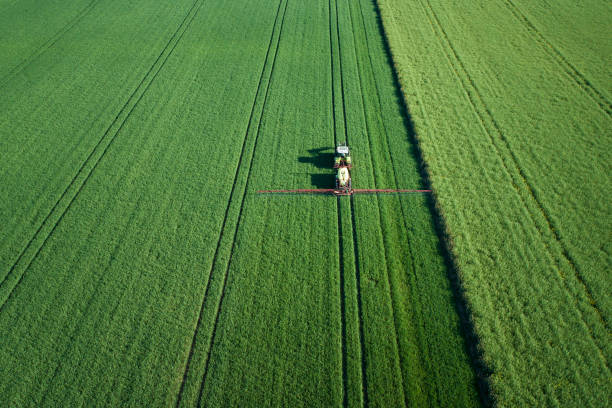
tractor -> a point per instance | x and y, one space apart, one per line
344 184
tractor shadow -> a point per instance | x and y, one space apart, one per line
321 158
323 180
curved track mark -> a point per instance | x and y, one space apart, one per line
48 44
227 210
226 216
485 116
583 83
244 195
91 162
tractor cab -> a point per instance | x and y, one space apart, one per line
342 157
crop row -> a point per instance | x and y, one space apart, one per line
140 266
57 123
108 306
23 38
397 312
421 299
196 368
57 212
576 35
504 150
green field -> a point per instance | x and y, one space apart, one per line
138 266
513 119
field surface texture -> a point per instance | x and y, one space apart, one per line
139 267
511 102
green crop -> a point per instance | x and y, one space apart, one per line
138 264
512 111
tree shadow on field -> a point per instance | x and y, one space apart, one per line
321 158
445 241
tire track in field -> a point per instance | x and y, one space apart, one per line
472 341
276 28
381 120
583 83
364 380
227 209
343 346
375 177
48 44
345 401
462 305
244 195
68 196
512 168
